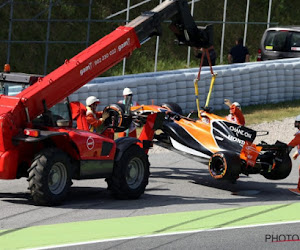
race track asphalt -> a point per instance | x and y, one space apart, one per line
181 197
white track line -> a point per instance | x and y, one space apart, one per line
159 235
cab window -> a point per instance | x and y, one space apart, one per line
11 89
61 110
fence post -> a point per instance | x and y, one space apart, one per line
223 31
89 24
10 30
269 13
127 19
156 48
189 48
47 37
246 22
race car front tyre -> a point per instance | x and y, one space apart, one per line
225 166
173 107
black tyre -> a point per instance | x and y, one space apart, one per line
50 177
173 107
281 170
130 175
224 165
117 120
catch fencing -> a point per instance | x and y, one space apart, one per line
49 27
247 83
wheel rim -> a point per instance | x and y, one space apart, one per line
57 178
217 168
135 173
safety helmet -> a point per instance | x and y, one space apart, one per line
297 121
127 91
237 105
91 100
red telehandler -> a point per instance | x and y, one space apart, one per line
38 138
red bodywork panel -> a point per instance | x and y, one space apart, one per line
148 131
87 146
91 145
8 164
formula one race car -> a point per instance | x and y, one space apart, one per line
227 147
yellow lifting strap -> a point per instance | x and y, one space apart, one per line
213 78
205 51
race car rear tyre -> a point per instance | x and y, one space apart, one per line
50 177
130 174
117 120
281 170
173 107
224 165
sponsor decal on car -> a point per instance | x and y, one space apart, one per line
239 131
250 153
235 139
